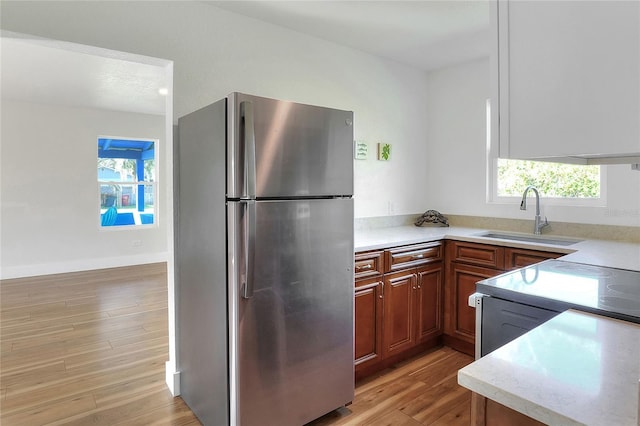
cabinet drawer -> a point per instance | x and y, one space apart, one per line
477 254
519 258
411 256
369 264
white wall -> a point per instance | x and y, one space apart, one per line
216 52
50 202
457 150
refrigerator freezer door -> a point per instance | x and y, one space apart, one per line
292 150
292 340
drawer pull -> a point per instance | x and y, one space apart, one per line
364 267
418 256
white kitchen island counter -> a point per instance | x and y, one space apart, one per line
576 368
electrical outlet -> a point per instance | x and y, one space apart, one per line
136 243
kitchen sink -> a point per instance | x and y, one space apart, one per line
530 238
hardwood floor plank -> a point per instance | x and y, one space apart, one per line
176 414
34 331
373 404
121 361
75 337
160 305
393 418
114 413
148 336
116 355
30 308
28 358
124 390
72 384
29 325
33 376
402 369
436 401
50 413
460 415
440 371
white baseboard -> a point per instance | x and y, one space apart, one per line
80 265
172 378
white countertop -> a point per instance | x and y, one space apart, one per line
576 368
593 252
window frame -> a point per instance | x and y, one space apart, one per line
153 184
492 196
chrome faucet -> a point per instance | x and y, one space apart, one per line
538 224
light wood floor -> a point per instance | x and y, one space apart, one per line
421 391
87 348
90 348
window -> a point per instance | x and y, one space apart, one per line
568 184
554 180
127 182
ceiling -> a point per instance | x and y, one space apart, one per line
426 34
50 72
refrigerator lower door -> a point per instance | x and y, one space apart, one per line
291 339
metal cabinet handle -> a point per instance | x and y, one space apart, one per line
381 290
249 240
249 146
363 267
418 256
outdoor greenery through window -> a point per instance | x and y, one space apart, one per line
553 180
126 181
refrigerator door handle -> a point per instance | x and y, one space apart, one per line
249 241
249 146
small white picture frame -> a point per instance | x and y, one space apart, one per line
360 150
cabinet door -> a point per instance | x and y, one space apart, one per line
569 78
429 301
397 329
462 283
368 322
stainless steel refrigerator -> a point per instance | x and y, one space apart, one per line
264 261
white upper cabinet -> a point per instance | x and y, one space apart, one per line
567 80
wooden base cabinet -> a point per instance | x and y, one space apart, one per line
487 412
398 324
412 307
368 322
430 302
461 283
369 267
468 263
408 297
397 314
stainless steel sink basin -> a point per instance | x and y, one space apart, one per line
541 239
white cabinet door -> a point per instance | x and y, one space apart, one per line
568 78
